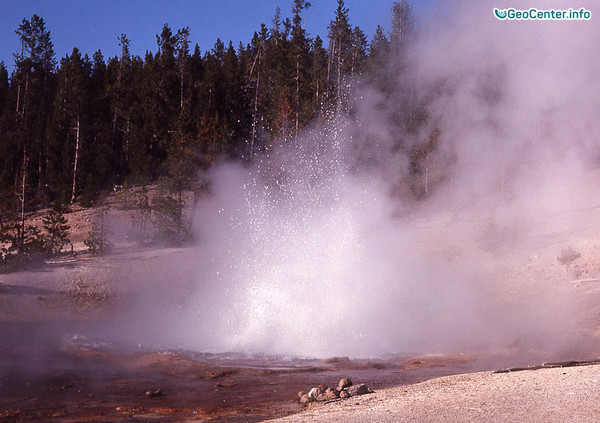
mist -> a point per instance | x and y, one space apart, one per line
319 247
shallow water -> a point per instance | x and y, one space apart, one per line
57 370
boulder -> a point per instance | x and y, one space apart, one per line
359 389
304 399
314 393
344 383
344 394
329 395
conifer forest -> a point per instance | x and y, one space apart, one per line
76 128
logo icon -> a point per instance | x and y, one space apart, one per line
500 14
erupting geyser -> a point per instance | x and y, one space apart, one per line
316 249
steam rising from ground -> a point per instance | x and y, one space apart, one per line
315 250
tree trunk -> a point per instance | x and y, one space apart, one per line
317 93
76 161
18 100
255 112
339 79
19 84
181 88
329 62
22 198
25 98
255 116
117 99
40 170
297 94
127 142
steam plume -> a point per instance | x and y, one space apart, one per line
317 249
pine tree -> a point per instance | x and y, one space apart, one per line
279 70
340 53
169 219
196 77
122 96
33 75
318 77
235 100
182 65
284 124
97 239
57 228
71 109
358 53
379 56
255 74
403 26
3 89
7 151
301 50
96 165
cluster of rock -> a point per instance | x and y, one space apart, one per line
322 393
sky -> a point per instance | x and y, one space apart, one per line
92 25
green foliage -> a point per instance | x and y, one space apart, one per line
169 220
34 246
57 230
77 129
124 195
9 240
97 239
95 243
37 243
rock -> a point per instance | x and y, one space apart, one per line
359 389
313 393
304 399
344 394
154 394
337 360
327 396
300 393
344 383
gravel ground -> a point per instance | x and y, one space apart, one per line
570 394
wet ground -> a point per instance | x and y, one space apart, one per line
48 371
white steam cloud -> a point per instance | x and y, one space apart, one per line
315 250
